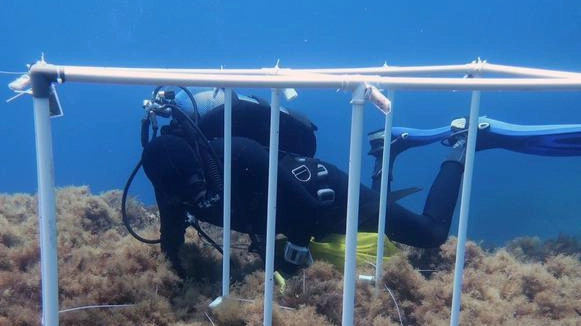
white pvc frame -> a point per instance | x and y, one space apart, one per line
362 82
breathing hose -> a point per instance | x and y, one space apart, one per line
124 210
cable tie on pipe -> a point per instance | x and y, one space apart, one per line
385 67
59 77
481 64
345 84
478 65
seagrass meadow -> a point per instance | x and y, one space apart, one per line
527 282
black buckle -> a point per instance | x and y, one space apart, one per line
326 195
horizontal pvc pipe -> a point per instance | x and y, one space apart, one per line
381 70
395 70
307 80
470 68
528 72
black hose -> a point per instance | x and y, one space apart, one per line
144 131
194 105
213 161
206 237
213 173
124 211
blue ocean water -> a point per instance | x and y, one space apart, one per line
97 141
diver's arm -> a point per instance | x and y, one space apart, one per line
173 227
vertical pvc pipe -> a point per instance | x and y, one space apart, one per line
271 212
383 194
358 102
227 191
46 212
465 207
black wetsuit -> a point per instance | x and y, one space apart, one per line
169 162
174 165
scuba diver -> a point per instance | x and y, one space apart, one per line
184 165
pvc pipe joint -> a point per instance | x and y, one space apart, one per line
378 99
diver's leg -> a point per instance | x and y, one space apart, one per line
172 229
431 228
398 146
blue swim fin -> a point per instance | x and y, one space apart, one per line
546 140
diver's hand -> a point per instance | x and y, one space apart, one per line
207 199
287 269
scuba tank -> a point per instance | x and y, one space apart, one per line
251 119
